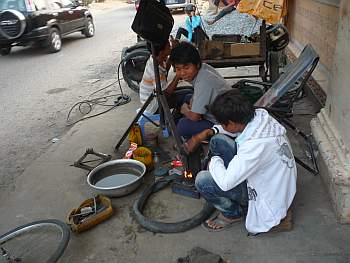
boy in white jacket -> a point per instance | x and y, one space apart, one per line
257 166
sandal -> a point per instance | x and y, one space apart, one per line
219 223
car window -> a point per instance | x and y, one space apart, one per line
40 4
54 4
18 5
68 3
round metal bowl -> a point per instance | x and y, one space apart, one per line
115 168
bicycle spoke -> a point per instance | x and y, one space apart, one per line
34 243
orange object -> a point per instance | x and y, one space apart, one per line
271 11
90 213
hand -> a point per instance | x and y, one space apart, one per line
191 145
184 108
195 140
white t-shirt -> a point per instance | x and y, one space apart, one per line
148 85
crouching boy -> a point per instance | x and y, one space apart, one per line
254 173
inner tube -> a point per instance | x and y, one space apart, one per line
161 227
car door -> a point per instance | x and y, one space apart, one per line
57 14
74 14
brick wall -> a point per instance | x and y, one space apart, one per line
315 22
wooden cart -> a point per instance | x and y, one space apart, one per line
226 51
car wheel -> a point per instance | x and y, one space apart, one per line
5 50
54 42
89 30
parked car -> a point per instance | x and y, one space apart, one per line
23 22
171 4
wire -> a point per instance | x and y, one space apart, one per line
121 99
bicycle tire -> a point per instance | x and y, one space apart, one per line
26 228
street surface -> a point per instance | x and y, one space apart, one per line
36 93
37 89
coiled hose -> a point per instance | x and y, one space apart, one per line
161 227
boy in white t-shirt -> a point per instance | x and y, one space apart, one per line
175 96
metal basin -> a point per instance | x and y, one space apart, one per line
116 178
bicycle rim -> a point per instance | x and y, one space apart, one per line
39 241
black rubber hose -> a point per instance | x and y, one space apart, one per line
161 227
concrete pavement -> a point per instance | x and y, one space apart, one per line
50 188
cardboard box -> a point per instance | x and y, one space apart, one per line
216 49
245 49
213 49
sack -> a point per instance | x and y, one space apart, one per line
153 21
271 11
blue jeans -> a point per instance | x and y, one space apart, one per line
232 203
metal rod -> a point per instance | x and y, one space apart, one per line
137 117
240 77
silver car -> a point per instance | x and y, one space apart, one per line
177 4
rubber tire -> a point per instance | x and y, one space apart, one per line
5 50
161 227
61 246
51 47
132 83
86 31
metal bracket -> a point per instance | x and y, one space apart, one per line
83 164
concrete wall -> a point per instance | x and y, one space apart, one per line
314 22
331 128
338 99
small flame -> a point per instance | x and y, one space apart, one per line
188 175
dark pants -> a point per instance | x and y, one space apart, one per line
184 32
232 203
187 128
180 96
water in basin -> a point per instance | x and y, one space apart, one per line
116 180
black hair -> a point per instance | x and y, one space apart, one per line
190 8
185 53
230 106
158 47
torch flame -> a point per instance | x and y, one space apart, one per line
188 175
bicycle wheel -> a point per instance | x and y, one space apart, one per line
39 241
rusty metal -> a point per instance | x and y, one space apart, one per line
90 151
261 60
